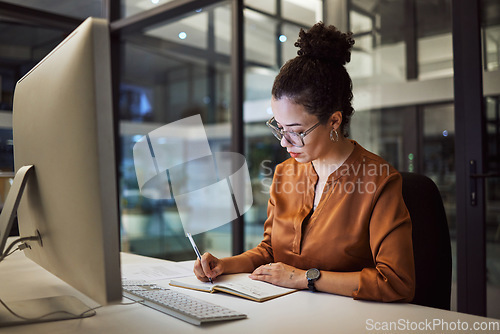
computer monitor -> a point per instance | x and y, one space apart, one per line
63 126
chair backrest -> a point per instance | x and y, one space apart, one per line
431 241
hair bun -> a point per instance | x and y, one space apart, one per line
325 43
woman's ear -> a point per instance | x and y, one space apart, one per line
335 120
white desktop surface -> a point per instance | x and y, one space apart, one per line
299 312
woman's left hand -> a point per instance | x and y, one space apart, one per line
281 274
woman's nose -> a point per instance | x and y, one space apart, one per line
284 142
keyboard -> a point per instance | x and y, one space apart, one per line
184 307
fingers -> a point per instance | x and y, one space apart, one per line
262 273
198 271
263 270
267 269
271 273
279 274
208 267
207 262
265 278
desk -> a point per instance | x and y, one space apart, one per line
299 312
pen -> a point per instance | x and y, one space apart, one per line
198 254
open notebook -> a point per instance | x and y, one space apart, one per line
236 284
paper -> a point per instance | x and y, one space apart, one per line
157 271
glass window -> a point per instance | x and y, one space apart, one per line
268 6
261 68
264 152
492 163
362 65
189 31
435 57
6 147
490 23
304 12
492 41
435 43
260 39
439 165
288 37
381 132
166 78
222 29
361 22
131 7
439 154
21 47
379 54
81 9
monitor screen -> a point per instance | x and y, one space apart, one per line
63 126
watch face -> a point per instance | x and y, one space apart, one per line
312 274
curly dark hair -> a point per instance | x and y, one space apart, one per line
316 78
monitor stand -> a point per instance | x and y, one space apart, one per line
9 210
34 310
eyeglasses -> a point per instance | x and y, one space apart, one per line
294 138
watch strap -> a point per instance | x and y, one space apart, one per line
310 285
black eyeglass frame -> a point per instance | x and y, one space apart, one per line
280 133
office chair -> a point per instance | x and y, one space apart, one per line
431 241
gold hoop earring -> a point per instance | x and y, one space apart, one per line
336 138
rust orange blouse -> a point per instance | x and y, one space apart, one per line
360 224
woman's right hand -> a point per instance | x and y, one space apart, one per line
208 267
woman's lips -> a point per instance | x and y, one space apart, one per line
293 154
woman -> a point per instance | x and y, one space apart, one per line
337 221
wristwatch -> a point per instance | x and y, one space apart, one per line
312 276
